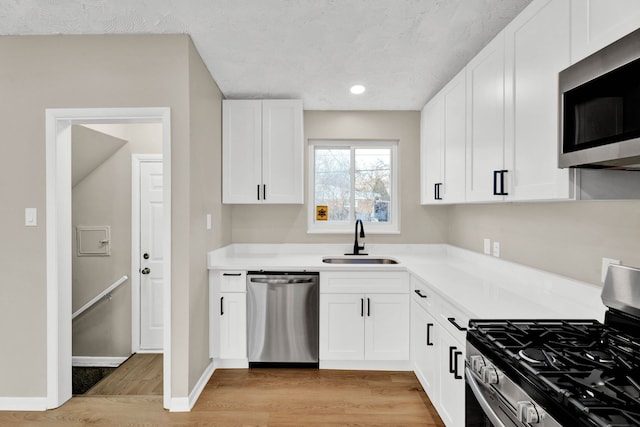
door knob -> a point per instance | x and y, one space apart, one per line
145 270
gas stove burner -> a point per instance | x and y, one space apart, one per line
536 356
598 356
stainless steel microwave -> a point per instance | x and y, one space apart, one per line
600 108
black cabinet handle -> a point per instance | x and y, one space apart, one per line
452 320
429 326
221 306
417 291
498 181
368 307
264 191
232 274
455 365
436 191
258 189
361 307
451 351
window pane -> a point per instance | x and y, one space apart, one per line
333 181
373 184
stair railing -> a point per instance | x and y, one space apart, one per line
105 293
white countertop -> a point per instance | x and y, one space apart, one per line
483 287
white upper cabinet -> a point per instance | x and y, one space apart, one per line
443 144
485 123
537 48
263 149
431 150
598 23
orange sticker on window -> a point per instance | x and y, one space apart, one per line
322 213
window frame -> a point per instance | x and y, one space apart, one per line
347 227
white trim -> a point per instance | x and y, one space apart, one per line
58 203
136 160
231 363
185 404
98 362
23 403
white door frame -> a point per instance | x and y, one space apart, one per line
58 222
136 160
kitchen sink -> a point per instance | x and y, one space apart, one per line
359 260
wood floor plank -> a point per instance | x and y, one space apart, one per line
260 397
140 375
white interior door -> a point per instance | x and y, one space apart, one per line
151 256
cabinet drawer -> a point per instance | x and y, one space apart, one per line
369 282
233 281
424 296
454 320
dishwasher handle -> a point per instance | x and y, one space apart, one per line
281 281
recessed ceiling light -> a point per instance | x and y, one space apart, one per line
357 89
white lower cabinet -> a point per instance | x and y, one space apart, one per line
364 327
426 345
233 325
438 350
373 326
228 318
451 395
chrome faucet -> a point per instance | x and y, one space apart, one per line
356 246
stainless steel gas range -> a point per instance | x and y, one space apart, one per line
559 372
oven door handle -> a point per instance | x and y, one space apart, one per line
488 410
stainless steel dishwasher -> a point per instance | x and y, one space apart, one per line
282 319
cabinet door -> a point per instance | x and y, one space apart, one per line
386 334
233 326
241 151
451 397
485 120
597 23
537 48
426 344
282 151
431 146
454 160
341 327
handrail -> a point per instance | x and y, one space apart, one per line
101 295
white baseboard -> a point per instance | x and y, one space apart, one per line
185 404
23 404
102 362
231 363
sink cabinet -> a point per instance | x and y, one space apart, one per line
364 317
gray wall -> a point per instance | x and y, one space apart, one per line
288 223
103 197
41 72
567 238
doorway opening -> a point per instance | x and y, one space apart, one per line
60 230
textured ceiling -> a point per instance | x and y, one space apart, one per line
403 51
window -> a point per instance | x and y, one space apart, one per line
351 180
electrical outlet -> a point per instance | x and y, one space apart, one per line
496 249
605 266
487 246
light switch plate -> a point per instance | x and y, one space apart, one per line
496 249
30 217
208 221
487 246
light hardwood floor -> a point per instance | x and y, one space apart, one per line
140 375
260 397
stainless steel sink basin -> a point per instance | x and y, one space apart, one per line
358 260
